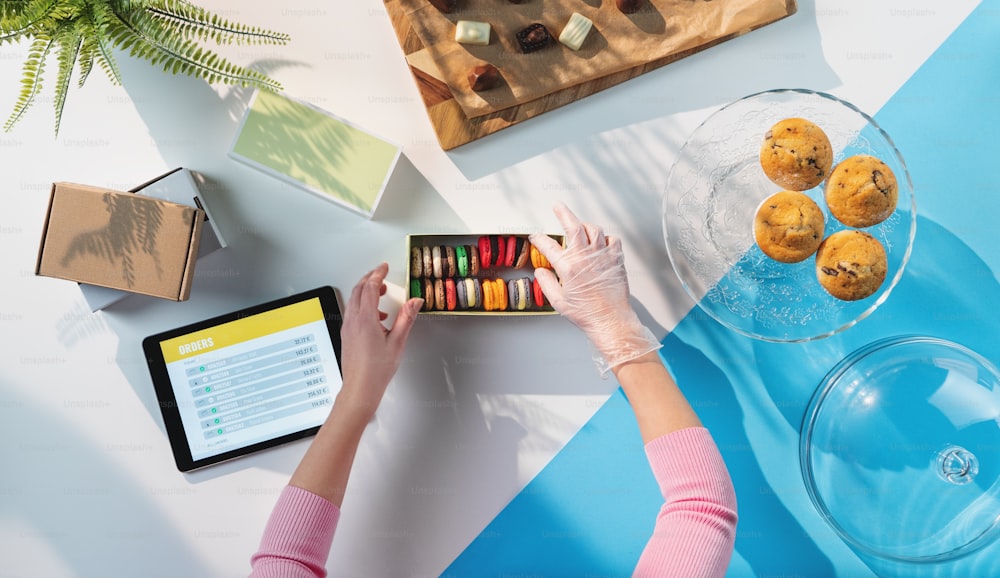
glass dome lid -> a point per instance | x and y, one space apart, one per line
900 449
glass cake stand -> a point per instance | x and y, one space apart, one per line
712 194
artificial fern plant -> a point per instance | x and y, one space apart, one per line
170 33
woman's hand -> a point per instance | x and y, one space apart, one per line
370 353
592 290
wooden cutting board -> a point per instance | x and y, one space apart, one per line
454 128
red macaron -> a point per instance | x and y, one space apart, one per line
510 253
500 253
451 298
485 252
536 290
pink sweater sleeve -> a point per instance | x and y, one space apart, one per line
297 537
696 527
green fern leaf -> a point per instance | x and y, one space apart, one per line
201 24
150 38
31 80
106 26
11 8
16 24
88 49
69 41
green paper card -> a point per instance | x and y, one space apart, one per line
315 150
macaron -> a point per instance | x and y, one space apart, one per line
510 252
522 250
438 265
462 294
486 251
416 288
538 294
538 260
450 297
440 301
428 294
520 293
488 301
473 292
515 296
500 294
449 257
500 254
462 261
416 263
473 252
428 261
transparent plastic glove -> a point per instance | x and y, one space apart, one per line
592 290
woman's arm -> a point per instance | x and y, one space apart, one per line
659 406
696 526
299 533
371 354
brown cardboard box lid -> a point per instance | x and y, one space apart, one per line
120 240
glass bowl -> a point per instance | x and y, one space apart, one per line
712 194
900 449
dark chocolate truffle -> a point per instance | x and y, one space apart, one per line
534 37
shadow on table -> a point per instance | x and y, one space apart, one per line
760 60
59 491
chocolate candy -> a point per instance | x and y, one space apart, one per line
484 77
629 6
534 37
445 6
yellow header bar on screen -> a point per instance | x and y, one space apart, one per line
241 330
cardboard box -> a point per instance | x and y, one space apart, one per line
177 186
315 150
505 273
120 240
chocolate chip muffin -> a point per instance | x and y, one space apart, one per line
861 191
851 264
788 226
796 154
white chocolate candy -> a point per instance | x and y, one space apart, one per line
472 32
576 31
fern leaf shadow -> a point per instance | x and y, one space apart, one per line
294 139
131 233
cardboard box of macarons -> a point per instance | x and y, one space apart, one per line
476 274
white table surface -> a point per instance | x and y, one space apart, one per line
478 407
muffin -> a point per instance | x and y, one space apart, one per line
796 154
788 226
861 191
851 264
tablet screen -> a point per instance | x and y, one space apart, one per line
248 380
